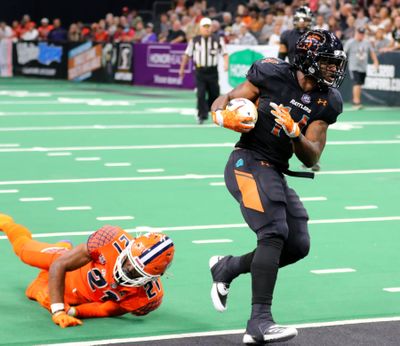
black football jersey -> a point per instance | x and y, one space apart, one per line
277 83
289 39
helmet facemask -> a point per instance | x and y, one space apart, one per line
144 259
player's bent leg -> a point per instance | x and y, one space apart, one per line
32 252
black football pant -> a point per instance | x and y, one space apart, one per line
207 90
274 212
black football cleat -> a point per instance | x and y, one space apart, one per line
261 332
221 281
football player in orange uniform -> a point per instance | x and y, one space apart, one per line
111 274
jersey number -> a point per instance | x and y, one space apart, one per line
122 239
152 291
97 281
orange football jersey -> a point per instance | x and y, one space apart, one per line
95 282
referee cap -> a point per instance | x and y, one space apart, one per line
205 21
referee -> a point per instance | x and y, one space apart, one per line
204 49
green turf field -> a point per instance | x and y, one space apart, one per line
113 151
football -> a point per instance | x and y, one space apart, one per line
243 107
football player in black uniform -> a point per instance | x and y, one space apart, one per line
296 104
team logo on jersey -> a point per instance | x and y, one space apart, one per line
322 102
270 61
306 99
239 163
300 105
102 260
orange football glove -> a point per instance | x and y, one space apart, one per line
43 298
63 320
232 120
283 118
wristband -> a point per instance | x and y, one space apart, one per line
219 118
56 307
71 311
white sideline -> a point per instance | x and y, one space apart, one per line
207 227
222 332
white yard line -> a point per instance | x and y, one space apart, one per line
117 164
59 154
218 184
82 207
212 227
312 199
221 332
35 199
392 289
333 271
361 207
13 145
9 191
112 218
151 170
87 158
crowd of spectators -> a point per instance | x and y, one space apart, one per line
257 22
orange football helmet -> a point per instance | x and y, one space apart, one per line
144 259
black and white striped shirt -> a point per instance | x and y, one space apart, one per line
205 50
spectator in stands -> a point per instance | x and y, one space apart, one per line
275 38
350 30
16 29
216 28
372 26
133 18
379 42
257 21
74 34
140 31
320 23
396 34
150 36
123 34
176 34
30 33
334 26
58 34
44 29
267 29
26 23
236 25
99 33
357 50
5 31
165 24
245 38
361 19
226 20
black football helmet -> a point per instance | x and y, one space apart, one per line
316 53
302 18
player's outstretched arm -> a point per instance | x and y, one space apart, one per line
68 261
228 118
97 309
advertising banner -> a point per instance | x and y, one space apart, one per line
100 62
158 65
40 59
240 60
6 48
381 86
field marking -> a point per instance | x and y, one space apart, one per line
111 218
168 146
65 153
333 271
11 145
83 207
9 191
87 158
361 207
36 199
222 332
392 289
160 126
92 102
218 184
150 170
211 241
211 227
117 164
171 177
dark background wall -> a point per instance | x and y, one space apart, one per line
68 10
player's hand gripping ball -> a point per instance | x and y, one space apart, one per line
239 115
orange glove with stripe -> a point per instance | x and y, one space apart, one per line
63 320
231 120
283 118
